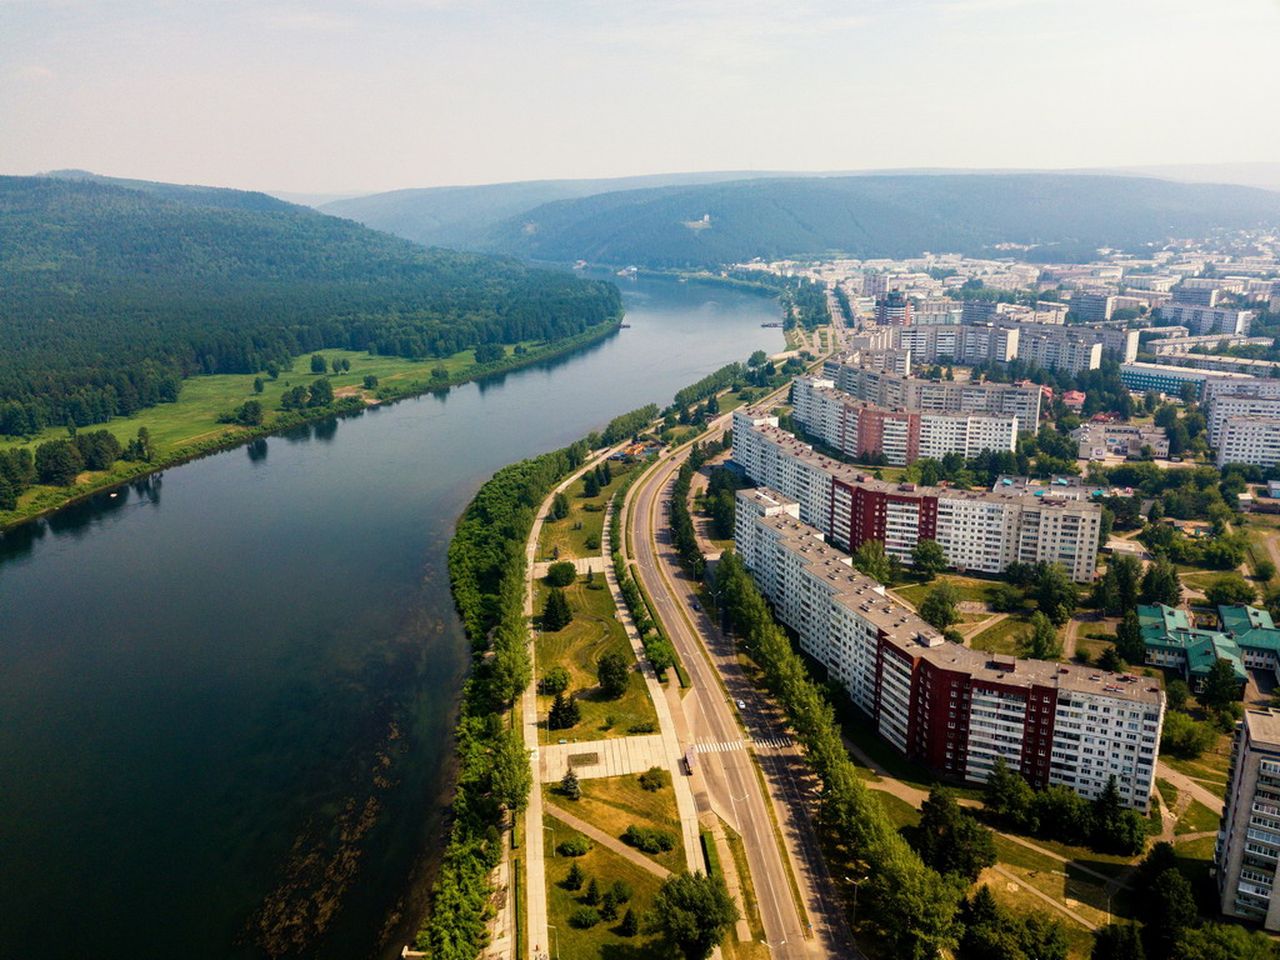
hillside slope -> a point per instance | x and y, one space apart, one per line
876 216
462 217
111 294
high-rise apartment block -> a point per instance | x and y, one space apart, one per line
1021 401
985 531
954 709
862 430
1248 847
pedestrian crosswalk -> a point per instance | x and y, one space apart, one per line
726 746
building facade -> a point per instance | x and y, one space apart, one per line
1248 847
1253 440
1069 349
954 709
862 430
1099 440
984 531
966 344
1205 320
1170 379
892 390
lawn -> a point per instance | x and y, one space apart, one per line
594 632
1003 637
900 812
1168 792
603 939
1210 768
1197 819
969 588
578 534
615 803
190 426
1065 882
750 905
1021 902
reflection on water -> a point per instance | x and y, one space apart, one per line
224 712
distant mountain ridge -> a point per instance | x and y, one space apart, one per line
877 216
866 215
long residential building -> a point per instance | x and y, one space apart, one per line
964 344
1226 406
954 709
1252 440
1248 847
862 430
984 531
1204 320
1069 349
884 389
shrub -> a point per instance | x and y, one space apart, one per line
648 840
584 918
576 846
561 574
655 778
555 680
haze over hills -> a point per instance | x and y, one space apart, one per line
869 215
462 216
112 293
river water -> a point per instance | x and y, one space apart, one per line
225 694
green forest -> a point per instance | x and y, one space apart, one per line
113 293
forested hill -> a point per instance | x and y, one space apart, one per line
110 294
877 216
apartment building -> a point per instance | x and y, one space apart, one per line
984 531
935 310
1254 440
1069 349
1198 291
1100 440
1176 346
1021 401
1089 307
893 308
862 430
1225 406
1228 364
954 709
966 344
1204 320
1248 847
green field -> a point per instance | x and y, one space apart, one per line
601 940
1003 637
1197 819
594 632
615 803
571 537
189 427
968 588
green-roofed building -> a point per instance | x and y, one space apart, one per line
1171 640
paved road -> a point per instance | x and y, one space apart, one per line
727 779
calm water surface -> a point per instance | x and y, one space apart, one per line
225 694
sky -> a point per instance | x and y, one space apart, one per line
331 97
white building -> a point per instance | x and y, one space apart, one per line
984 531
1254 440
1205 320
1248 847
952 708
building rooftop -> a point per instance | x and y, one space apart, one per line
1264 726
916 638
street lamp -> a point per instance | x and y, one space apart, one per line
546 826
555 940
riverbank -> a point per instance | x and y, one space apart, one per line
189 429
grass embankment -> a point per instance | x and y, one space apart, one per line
595 631
603 939
578 535
189 428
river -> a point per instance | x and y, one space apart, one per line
238 678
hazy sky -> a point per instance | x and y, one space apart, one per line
323 96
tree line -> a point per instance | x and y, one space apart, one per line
113 296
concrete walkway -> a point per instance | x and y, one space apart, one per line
1186 785
615 757
581 564
605 840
